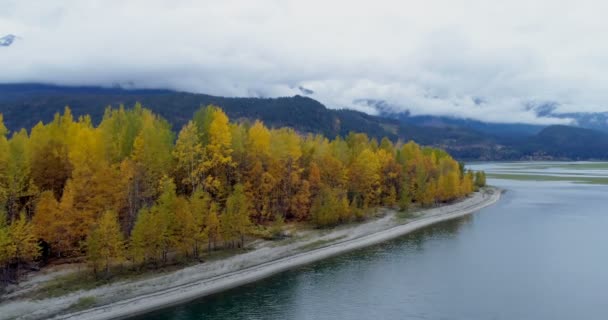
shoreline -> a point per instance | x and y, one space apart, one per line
170 293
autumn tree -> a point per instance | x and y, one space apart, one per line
7 248
235 221
49 224
185 230
118 129
96 186
258 182
4 162
212 226
200 203
173 196
218 160
152 159
364 178
24 244
142 242
329 207
285 169
16 189
189 155
50 166
105 243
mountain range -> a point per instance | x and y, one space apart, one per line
23 105
7 40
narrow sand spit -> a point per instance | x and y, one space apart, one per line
128 298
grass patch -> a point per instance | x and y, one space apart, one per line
405 214
81 280
533 177
320 243
83 303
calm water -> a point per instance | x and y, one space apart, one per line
540 253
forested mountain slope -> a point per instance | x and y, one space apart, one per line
23 105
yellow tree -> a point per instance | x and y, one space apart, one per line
50 166
329 207
314 178
235 221
284 167
24 243
259 185
258 141
364 179
18 181
391 174
105 243
119 127
96 185
466 185
153 235
199 206
258 182
300 204
4 162
212 226
429 195
218 160
152 159
186 232
142 243
48 224
7 248
75 224
189 156
163 217
240 158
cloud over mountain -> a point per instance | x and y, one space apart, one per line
470 58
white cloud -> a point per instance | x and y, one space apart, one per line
429 57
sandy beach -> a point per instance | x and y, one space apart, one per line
128 298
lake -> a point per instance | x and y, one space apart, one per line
539 253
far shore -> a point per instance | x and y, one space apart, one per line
129 298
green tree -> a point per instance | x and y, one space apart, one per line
480 179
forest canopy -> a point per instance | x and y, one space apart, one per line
130 189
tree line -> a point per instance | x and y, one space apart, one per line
129 189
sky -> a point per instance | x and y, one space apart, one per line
488 60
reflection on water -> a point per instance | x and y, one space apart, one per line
537 254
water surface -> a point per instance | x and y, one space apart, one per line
539 253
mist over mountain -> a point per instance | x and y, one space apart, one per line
23 105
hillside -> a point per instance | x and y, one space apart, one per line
23 105
565 142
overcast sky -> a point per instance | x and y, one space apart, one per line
489 60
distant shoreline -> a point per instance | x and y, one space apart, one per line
166 297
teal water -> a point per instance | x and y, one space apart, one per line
539 253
